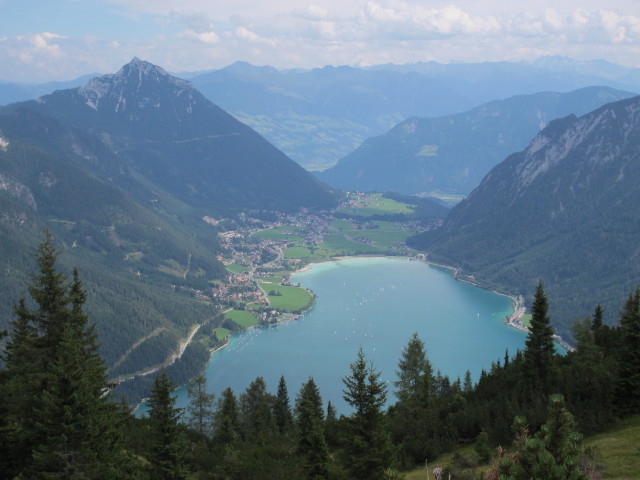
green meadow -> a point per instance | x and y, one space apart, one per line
277 234
221 333
242 318
290 299
375 204
236 268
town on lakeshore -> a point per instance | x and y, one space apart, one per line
263 250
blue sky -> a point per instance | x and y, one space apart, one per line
43 40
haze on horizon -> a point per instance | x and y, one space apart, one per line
43 40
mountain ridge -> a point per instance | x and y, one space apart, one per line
452 154
562 210
166 131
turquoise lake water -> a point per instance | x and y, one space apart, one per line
376 304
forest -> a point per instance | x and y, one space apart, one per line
59 419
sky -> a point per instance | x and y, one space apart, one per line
44 40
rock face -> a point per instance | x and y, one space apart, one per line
564 210
169 133
452 154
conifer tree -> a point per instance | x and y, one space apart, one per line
57 382
200 407
312 444
169 447
226 435
331 426
282 408
628 391
368 446
255 405
413 417
226 420
554 453
539 349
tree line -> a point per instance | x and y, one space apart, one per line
58 418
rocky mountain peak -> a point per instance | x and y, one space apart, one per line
135 78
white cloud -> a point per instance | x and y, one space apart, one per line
246 34
202 34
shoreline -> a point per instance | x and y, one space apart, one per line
514 320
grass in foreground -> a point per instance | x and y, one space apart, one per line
616 454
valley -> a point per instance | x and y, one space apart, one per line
192 232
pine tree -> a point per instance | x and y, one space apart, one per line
226 420
255 404
554 453
200 407
414 369
282 408
413 421
368 447
628 391
331 425
57 382
312 444
226 435
169 447
539 349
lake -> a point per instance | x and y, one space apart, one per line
375 303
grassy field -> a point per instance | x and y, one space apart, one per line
221 333
375 204
337 244
300 252
242 317
285 232
236 268
291 298
272 279
383 234
616 453
526 320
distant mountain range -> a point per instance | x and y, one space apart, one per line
564 210
452 154
319 116
122 171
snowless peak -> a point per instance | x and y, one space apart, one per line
129 80
137 66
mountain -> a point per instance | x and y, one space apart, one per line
452 154
122 172
319 116
128 253
168 133
563 210
18 92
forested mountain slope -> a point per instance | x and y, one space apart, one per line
129 253
171 135
452 154
563 210
122 172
